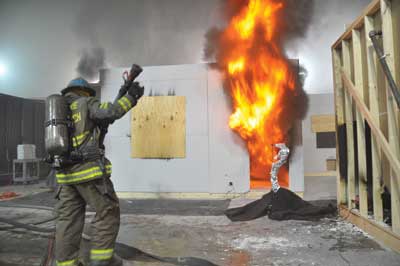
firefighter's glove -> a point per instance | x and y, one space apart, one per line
135 90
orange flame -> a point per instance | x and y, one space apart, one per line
260 80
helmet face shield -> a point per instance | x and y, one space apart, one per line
80 84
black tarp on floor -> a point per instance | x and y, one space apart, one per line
283 205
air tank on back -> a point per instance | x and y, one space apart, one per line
56 123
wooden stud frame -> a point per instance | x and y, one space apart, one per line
362 95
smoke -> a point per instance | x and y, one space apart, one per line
145 32
91 61
297 18
93 55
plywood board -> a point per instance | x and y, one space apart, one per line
158 127
331 165
323 123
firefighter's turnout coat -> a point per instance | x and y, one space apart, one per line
88 182
87 114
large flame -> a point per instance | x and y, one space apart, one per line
261 82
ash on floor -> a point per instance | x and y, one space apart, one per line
261 242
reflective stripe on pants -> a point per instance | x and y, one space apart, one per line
73 262
101 254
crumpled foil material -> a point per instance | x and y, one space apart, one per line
280 160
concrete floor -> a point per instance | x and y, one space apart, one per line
169 229
262 242
214 238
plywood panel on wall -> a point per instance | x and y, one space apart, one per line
158 127
323 123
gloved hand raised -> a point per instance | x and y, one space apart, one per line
135 90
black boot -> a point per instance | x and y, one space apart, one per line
114 261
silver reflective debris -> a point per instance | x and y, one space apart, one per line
280 160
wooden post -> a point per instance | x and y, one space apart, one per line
359 82
351 193
340 122
390 11
375 98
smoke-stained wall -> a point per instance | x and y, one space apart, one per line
42 41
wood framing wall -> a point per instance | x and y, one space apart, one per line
368 122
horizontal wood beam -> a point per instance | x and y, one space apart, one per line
378 232
375 129
370 10
321 174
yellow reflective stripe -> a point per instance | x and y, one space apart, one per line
104 105
122 104
67 263
78 140
91 172
74 105
98 257
96 168
80 136
76 117
127 102
101 254
78 179
102 251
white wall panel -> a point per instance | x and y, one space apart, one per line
216 155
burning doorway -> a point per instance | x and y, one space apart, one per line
267 95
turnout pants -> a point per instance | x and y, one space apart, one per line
71 206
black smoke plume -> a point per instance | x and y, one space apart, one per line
297 18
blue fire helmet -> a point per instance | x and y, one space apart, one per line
79 83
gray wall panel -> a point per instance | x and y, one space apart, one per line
21 122
315 161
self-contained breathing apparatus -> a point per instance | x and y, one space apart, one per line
59 126
59 130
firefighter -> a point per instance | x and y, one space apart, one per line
87 181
